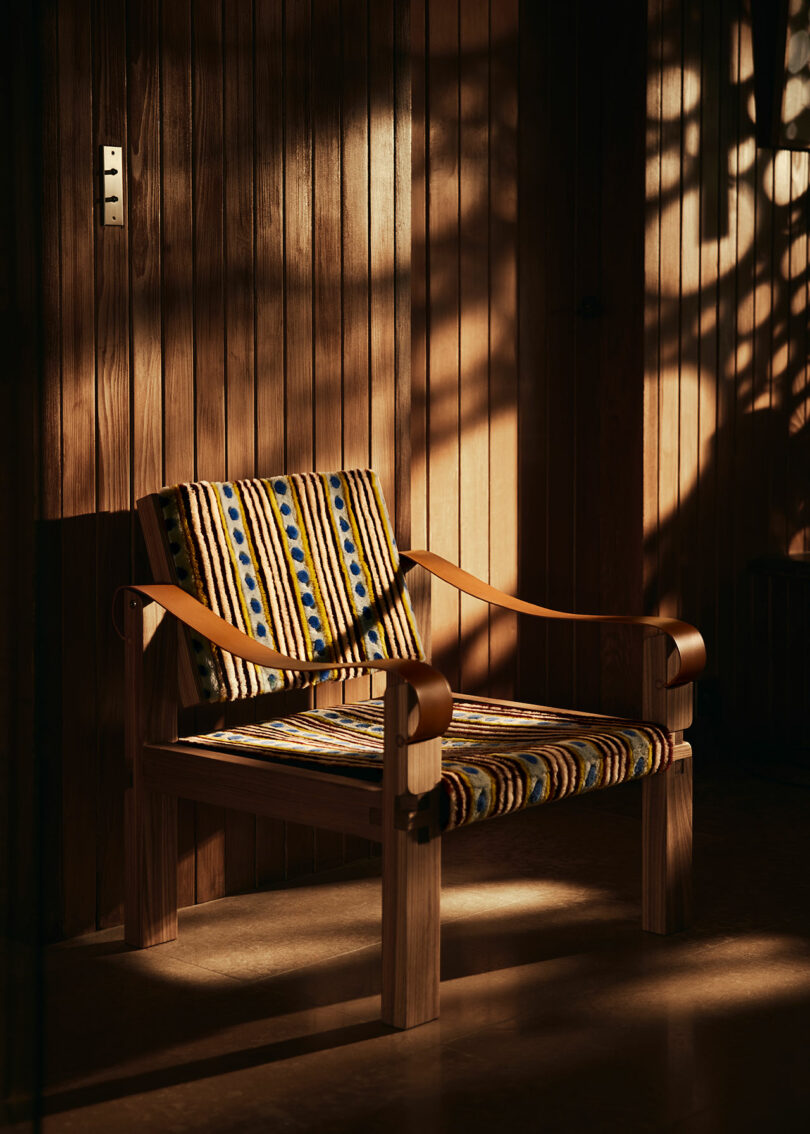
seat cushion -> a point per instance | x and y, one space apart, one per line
495 758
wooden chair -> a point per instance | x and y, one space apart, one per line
281 583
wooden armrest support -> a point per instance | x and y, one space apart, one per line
434 701
688 641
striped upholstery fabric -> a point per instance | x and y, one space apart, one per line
306 564
495 758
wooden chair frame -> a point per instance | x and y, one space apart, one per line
401 813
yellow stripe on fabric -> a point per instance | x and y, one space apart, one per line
373 601
291 564
404 596
315 585
354 611
316 573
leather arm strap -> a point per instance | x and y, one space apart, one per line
433 697
688 641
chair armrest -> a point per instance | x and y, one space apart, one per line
688 641
434 700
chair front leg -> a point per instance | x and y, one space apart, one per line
150 818
667 803
411 868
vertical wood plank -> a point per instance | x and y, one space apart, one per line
355 266
328 387
240 828
178 314
113 430
502 404
209 334
270 298
560 438
48 551
79 757
298 214
473 342
443 316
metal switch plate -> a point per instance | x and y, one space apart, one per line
112 185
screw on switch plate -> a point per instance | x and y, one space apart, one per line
112 186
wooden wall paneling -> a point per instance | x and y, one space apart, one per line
795 394
270 298
417 583
751 494
728 135
652 264
443 325
177 264
114 459
402 111
534 202
562 327
598 314
502 401
300 840
328 396
240 828
669 283
473 338
689 393
711 212
354 172
209 333
79 756
381 266
49 480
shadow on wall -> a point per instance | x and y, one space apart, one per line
727 356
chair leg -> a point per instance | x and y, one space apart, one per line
150 903
410 928
667 849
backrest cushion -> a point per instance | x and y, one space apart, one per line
305 563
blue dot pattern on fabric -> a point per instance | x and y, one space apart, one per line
238 536
261 629
285 509
251 582
280 487
307 599
314 622
302 576
347 543
292 531
297 554
334 481
360 589
233 513
244 558
255 606
338 502
354 568
226 488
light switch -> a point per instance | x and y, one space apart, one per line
112 185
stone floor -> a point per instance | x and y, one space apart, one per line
558 1013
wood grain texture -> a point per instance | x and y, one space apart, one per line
411 874
114 532
78 447
150 817
725 289
230 328
667 849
